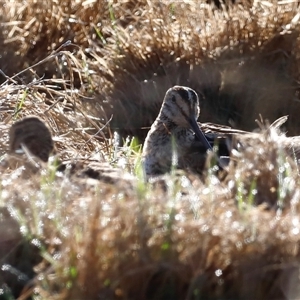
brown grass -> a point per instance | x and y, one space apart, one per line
91 233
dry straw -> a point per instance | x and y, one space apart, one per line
77 235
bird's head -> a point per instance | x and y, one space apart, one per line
180 106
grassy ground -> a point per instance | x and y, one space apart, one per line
96 72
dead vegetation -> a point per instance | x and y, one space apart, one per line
66 236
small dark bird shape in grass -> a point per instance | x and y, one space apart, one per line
32 136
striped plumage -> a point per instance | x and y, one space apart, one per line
176 132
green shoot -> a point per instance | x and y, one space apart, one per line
21 103
100 36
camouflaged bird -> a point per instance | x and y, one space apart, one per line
31 136
31 139
175 136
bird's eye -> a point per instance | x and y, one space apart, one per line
173 99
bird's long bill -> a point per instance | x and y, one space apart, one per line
199 133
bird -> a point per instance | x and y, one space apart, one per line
30 135
31 138
175 136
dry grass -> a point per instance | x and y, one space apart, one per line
81 234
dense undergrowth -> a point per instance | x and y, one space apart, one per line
96 72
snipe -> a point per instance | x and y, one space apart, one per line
32 136
175 133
